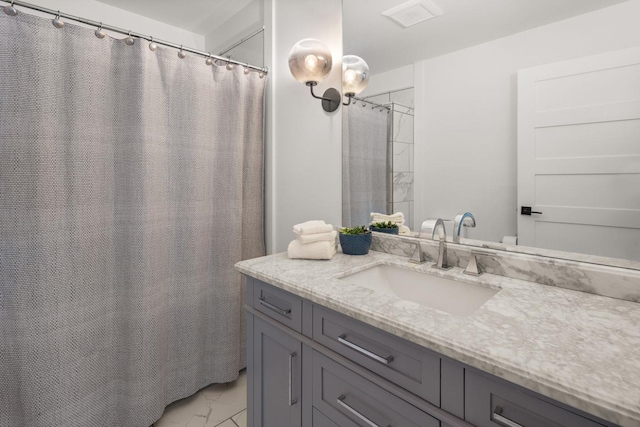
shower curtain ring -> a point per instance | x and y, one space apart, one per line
229 66
181 53
209 60
99 32
129 41
152 45
57 22
246 68
10 10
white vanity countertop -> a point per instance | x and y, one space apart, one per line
577 348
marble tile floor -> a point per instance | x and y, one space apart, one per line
218 405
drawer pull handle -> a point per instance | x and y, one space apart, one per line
274 307
292 400
497 417
343 340
341 402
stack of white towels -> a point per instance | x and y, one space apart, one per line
397 218
314 240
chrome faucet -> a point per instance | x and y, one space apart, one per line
438 226
459 221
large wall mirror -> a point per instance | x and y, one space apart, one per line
500 108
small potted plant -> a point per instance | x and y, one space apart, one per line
385 227
356 240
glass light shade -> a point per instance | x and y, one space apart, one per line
310 61
355 74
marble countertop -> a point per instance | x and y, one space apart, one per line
577 348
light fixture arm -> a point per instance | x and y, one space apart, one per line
331 98
311 85
350 96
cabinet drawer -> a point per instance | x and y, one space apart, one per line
320 420
492 403
282 306
410 366
352 401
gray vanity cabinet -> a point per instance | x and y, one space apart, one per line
276 377
356 375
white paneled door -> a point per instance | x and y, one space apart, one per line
579 155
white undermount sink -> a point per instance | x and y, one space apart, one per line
443 294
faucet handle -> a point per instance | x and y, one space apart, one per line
473 268
418 256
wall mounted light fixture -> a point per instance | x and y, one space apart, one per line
355 76
310 63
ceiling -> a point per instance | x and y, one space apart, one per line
385 45
381 42
198 16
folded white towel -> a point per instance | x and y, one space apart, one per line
315 250
396 218
312 227
404 230
318 237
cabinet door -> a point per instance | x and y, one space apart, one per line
277 377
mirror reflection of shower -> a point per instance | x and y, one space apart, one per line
378 166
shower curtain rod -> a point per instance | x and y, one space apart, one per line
57 13
372 103
238 43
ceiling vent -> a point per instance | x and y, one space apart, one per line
413 12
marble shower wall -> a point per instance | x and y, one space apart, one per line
401 104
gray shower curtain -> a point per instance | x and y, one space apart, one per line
366 172
131 181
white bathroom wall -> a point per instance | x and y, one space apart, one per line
239 26
117 17
466 118
304 143
392 80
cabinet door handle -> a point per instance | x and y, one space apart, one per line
386 360
497 417
292 400
274 307
341 402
